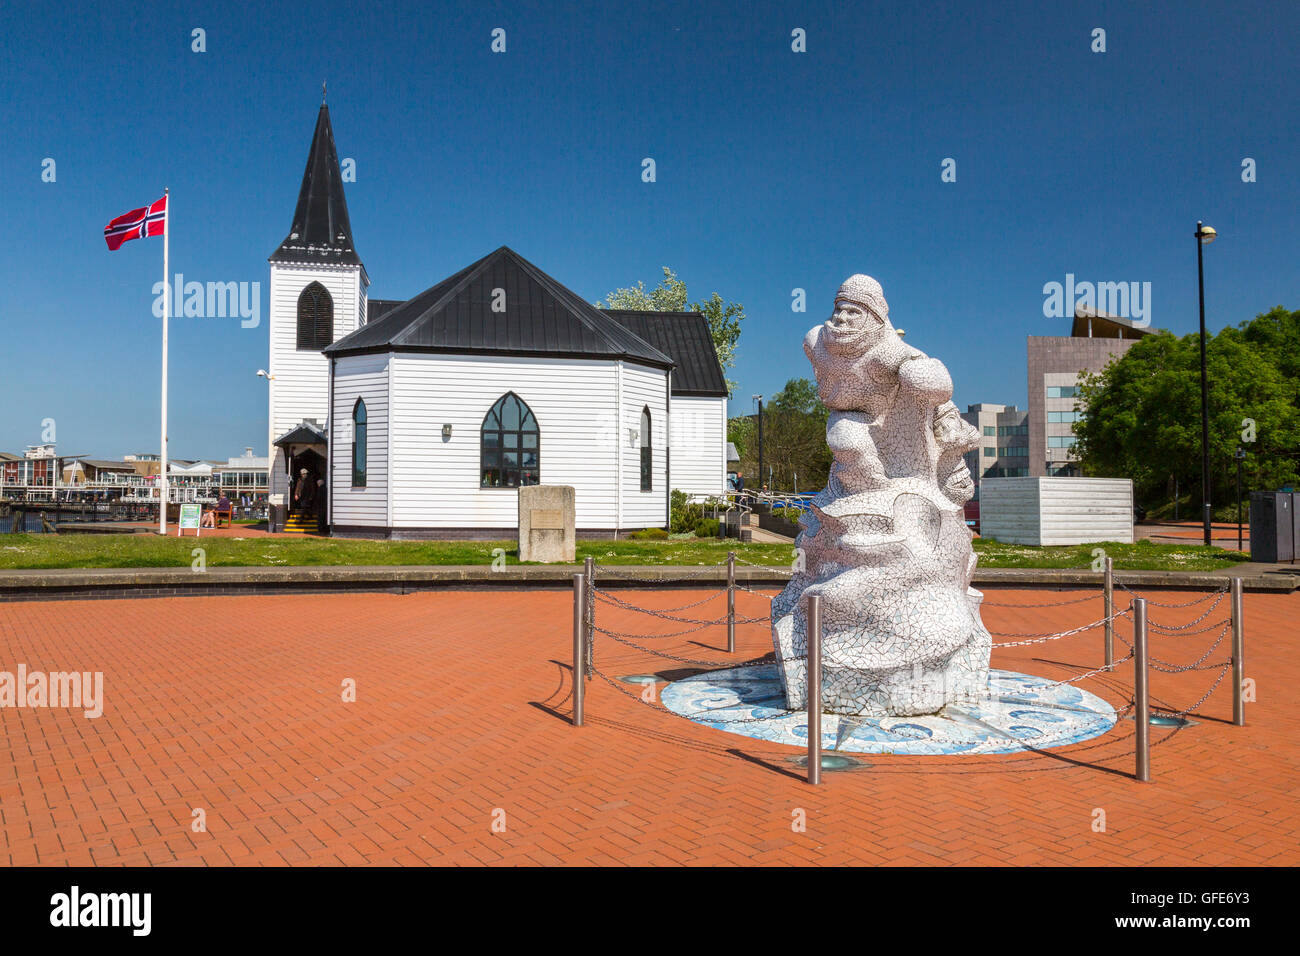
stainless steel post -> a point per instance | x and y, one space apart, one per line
1142 714
589 567
1238 656
731 602
579 645
814 682
1110 612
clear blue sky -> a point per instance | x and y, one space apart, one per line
776 170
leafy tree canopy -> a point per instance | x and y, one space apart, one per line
1142 413
724 318
794 440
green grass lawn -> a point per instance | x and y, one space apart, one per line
151 551
1142 556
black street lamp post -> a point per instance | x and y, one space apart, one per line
1204 236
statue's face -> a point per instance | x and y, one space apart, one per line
954 433
955 436
854 316
853 328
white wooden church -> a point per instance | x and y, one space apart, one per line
425 416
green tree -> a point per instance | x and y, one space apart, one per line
794 440
670 295
743 433
1142 413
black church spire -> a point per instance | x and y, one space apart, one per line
321 231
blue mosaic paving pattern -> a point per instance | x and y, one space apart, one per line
1019 712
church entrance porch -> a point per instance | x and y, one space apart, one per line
299 499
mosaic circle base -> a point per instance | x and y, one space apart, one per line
1019 712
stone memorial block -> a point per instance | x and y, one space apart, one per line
546 518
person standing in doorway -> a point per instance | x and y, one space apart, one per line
304 493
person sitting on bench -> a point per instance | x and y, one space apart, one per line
224 509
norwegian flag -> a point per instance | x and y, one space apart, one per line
139 223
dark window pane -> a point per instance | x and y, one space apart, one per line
359 456
508 427
510 414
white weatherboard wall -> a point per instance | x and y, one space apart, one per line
300 387
1049 511
436 483
362 377
644 388
699 444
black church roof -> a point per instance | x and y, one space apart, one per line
378 308
540 317
685 337
321 231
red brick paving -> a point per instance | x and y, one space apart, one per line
233 705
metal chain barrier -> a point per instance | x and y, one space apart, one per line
618 634
1138 651
609 597
1183 627
1168 668
1090 597
1050 636
693 661
1186 633
1197 706
1200 600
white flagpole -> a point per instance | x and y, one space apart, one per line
167 306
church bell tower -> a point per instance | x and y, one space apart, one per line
318 295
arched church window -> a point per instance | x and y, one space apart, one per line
359 444
647 452
509 445
315 318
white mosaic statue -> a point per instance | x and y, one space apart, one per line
886 544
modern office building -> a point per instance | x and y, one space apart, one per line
244 475
1056 364
1003 451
